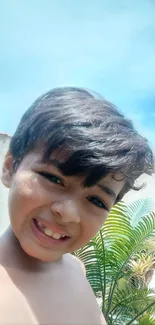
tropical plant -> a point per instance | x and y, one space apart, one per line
117 264
147 320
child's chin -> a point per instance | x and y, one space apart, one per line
41 256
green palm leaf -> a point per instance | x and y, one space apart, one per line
106 258
139 209
147 320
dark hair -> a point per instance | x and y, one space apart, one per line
96 137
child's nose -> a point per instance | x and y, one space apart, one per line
67 210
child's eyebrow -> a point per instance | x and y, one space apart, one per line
108 191
52 162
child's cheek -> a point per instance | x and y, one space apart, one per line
26 192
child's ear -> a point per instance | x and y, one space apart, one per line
7 170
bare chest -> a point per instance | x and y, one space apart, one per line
59 299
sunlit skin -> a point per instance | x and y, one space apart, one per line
62 203
40 282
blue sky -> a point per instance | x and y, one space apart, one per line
108 46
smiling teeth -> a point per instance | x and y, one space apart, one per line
49 232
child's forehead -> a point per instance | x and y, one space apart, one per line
60 154
37 157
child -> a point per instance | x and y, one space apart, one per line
72 157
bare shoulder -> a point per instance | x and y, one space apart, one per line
87 300
77 263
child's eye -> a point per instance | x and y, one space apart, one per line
51 178
96 201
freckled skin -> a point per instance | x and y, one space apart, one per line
42 285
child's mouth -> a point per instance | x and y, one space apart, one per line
44 232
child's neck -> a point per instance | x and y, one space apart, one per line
12 255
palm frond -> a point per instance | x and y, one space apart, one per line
139 209
108 259
147 319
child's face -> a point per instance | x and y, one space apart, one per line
43 204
